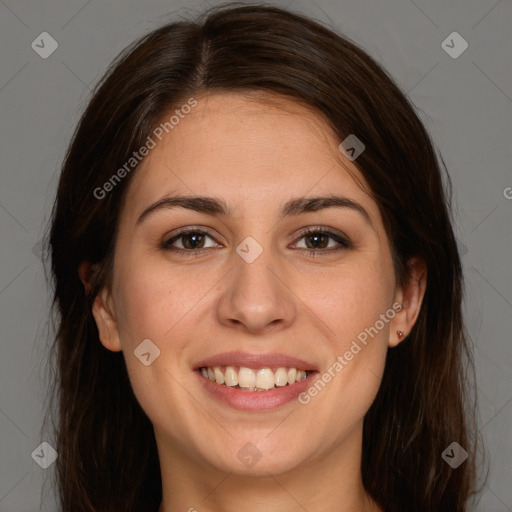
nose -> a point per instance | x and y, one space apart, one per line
257 298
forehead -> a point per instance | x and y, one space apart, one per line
247 148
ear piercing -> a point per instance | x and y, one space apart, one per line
400 334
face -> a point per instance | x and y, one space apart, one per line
255 283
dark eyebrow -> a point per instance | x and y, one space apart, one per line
214 206
312 204
200 204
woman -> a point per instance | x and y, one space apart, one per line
257 282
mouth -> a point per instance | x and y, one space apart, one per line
254 379
255 382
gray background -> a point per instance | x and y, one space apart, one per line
465 102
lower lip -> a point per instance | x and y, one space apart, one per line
256 400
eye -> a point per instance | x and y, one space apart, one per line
189 241
319 241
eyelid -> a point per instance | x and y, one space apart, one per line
323 229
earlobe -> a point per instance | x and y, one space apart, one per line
410 296
106 321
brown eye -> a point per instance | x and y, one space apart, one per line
192 240
188 241
319 241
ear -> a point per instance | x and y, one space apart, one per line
85 271
106 321
102 310
410 296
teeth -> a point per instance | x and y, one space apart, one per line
219 376
246 378
265 379
253 380
281 377
231 376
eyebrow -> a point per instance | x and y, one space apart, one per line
214 206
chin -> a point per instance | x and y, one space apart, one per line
259 458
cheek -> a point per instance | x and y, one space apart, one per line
350 300
353 306
152 305
150 301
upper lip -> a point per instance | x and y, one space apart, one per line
252 360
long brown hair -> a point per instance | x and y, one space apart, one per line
107 452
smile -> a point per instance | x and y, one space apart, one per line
250 379
255 382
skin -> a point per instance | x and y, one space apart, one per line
255 156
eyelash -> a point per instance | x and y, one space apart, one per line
344 243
